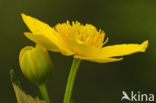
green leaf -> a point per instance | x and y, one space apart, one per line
21 96
25 98
14 78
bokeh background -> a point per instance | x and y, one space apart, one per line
124 21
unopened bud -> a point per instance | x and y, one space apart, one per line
35 64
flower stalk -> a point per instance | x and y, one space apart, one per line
71 80
44 93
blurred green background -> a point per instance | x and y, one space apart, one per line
124 21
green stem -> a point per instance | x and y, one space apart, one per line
44 92
71 79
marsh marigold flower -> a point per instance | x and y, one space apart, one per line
82 41
35 64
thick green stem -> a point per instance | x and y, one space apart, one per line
44 92
71 79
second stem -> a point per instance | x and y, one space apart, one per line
44 92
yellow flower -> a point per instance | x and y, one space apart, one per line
82 41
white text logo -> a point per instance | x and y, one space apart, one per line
138 96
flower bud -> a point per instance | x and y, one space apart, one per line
35 64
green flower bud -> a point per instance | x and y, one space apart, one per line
36 64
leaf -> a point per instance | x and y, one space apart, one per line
14 78
25 98
21 96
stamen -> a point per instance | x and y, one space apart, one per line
84 33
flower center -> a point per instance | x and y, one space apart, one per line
87 34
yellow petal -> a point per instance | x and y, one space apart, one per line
51 40
104 55
43 41
99 59
48 44
122 49
36 26
81 48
